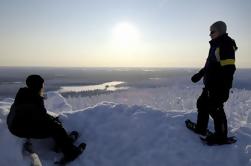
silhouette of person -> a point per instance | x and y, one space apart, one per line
217 78
28 118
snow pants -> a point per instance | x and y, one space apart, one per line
211 104
46 128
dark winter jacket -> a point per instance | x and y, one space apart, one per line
220 66
27 110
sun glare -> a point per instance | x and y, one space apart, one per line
125 34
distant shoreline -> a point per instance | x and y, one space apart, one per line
12 78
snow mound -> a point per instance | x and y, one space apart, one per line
119 134
4 109
56 103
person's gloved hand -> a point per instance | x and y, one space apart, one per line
196 77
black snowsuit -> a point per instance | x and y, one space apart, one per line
28 118
218 77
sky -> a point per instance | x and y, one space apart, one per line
118 33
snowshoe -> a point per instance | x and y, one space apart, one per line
193 127
212 140
66 159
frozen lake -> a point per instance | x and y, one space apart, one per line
75 80
108 86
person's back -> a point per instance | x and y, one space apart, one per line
26 111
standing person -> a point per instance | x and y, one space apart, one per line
28 118
218 77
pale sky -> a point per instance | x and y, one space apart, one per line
118 33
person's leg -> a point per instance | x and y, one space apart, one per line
53 129
64 142
220 121
47 128
203 113
61 138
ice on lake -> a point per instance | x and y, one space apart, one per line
108 86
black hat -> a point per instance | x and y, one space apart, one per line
219 26
34 82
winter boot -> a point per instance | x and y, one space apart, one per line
70 156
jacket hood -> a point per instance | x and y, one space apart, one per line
223 40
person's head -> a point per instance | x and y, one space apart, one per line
35 83
217 29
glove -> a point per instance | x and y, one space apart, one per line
197 77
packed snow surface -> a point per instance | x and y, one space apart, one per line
137 127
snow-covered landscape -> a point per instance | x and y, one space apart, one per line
137 127
123 77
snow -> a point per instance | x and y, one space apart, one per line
55 102
137 127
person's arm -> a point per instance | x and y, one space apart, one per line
44 114
227 63
197 77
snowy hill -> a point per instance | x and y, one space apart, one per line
137 128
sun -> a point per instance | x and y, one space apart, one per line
125 34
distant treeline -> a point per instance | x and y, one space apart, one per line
86 93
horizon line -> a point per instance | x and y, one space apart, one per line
180 67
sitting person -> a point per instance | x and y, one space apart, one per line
28 118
